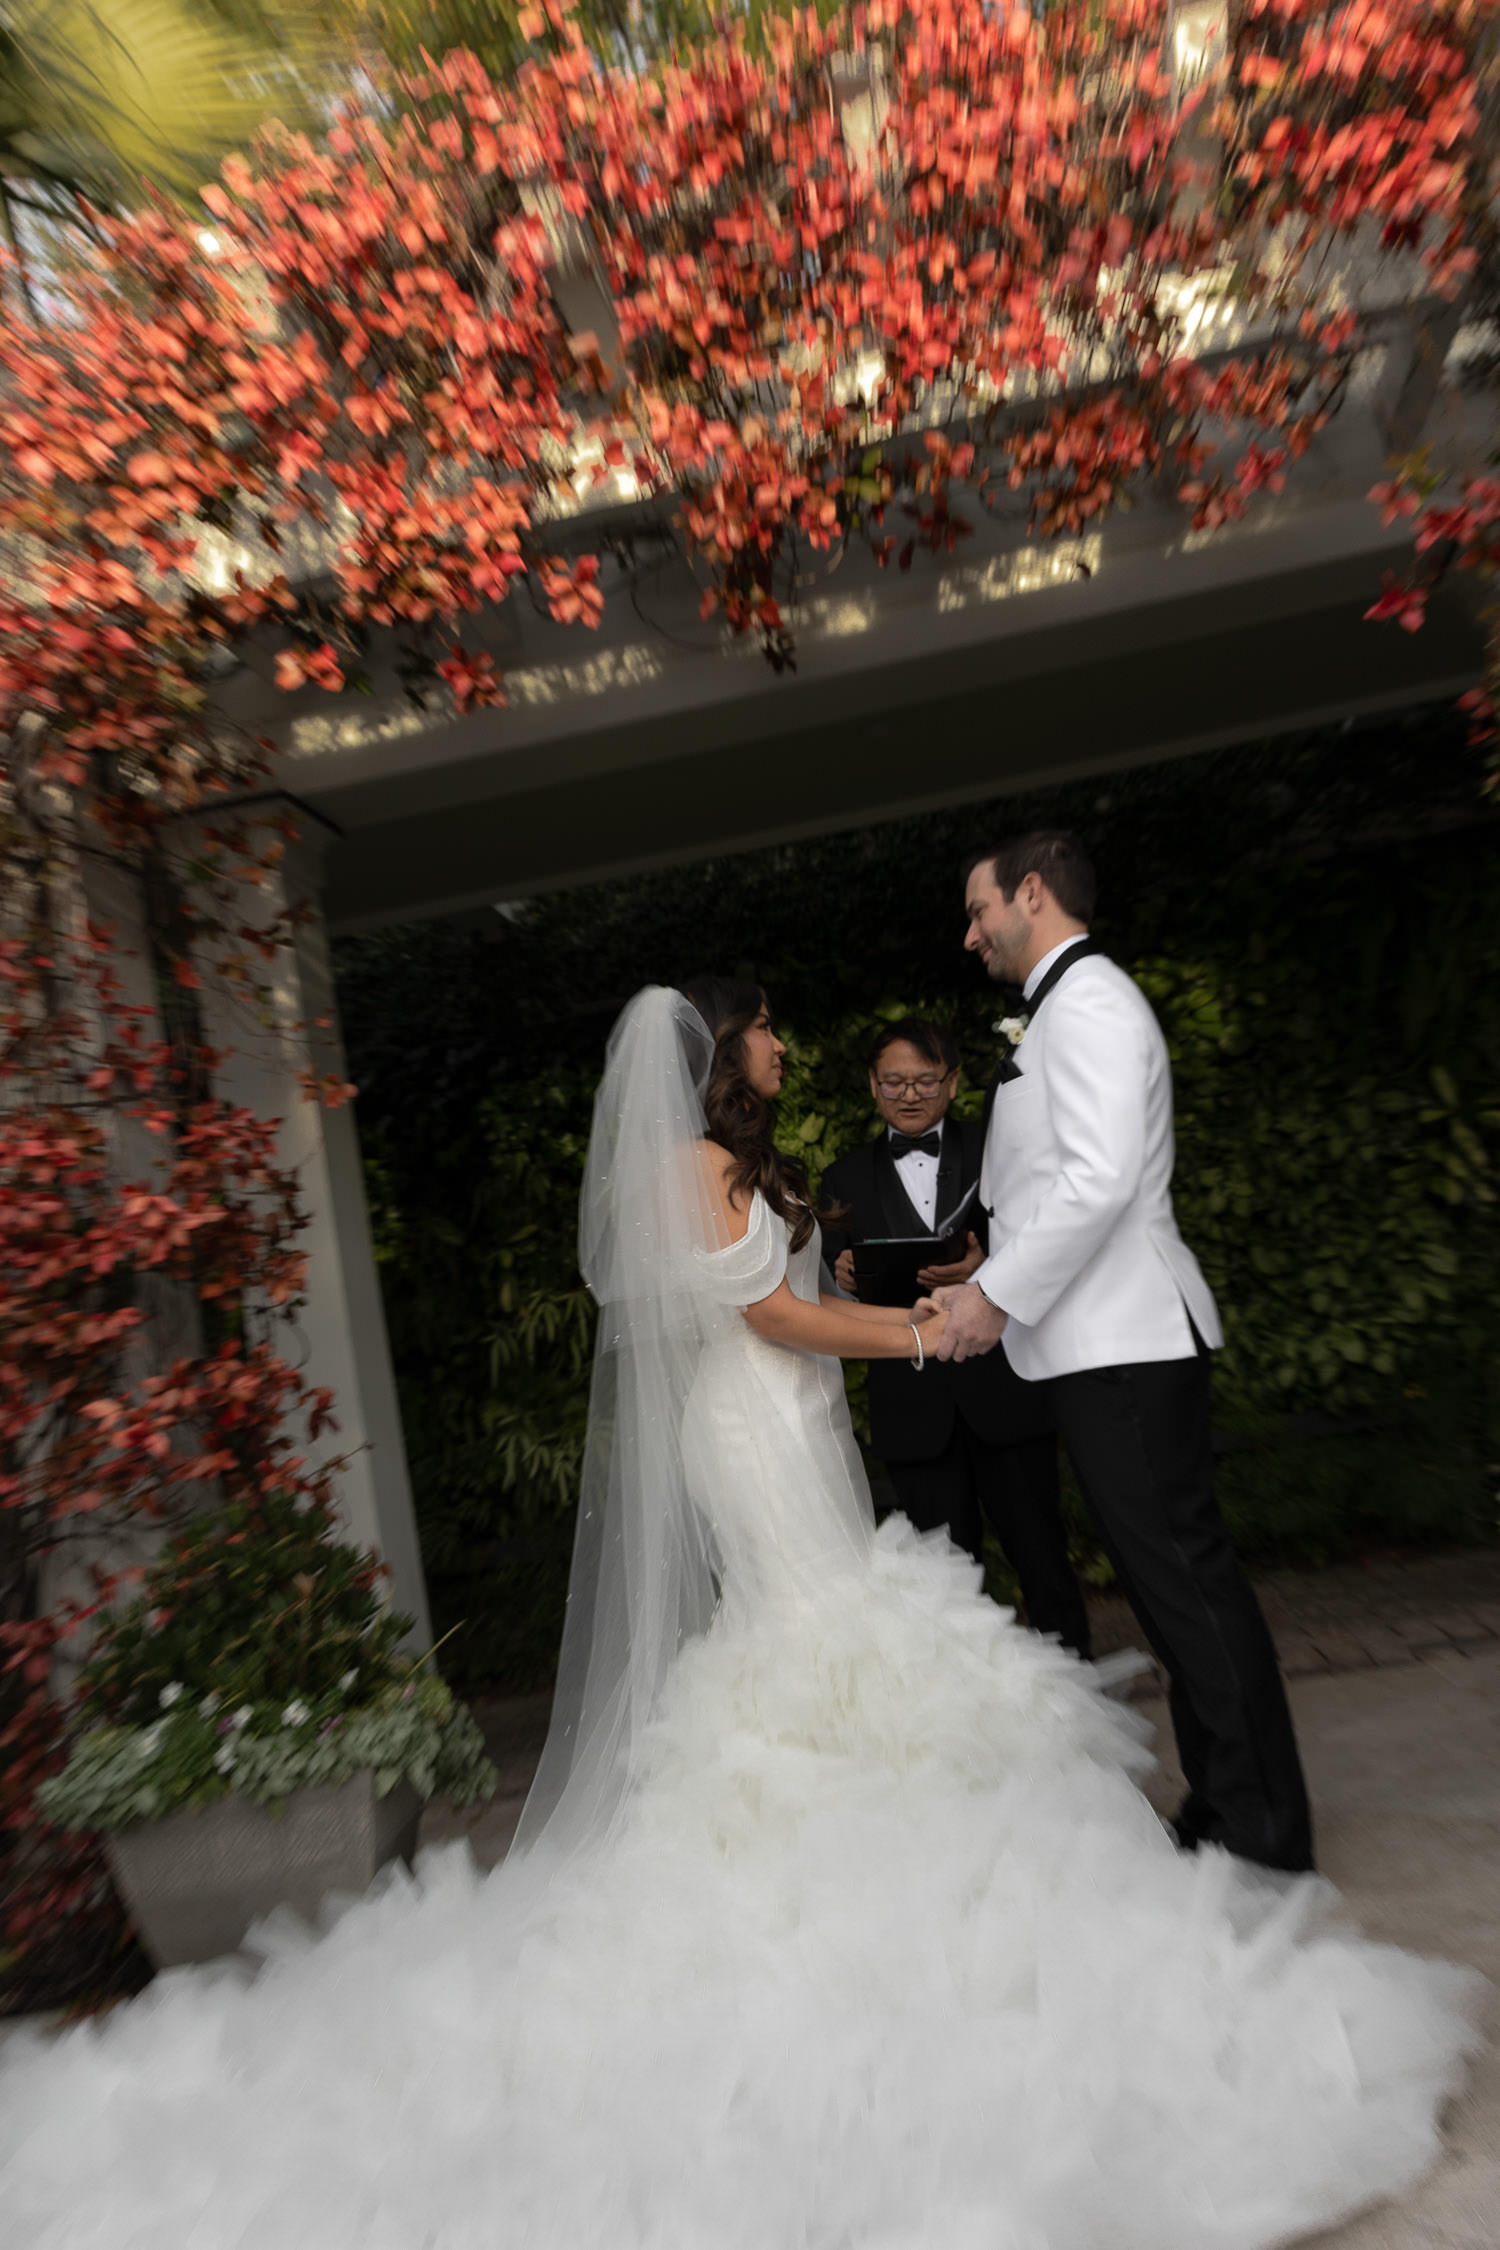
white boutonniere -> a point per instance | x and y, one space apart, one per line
1012 1029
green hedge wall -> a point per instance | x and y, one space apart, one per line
1318 926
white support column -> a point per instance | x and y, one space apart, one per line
341 1327
103 890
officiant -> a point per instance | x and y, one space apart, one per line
962 1444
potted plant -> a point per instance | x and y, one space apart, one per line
252 1734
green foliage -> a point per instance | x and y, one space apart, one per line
258 1658
1324 1202
256 1606
98 95
1420 1478
1317 924
492 1332
638 34
617 32
196 1751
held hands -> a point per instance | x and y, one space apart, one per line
938 1277
973 1325
930 1322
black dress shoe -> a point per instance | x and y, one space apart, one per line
1193 1824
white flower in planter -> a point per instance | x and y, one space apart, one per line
169 1694
349 1678
208 1706
296 1713
115 1781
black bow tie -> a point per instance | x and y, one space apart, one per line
903 1144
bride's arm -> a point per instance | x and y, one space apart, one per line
831 1327
840 1331
885 1316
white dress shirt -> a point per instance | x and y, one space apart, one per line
918 1174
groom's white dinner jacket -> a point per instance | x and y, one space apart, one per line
1077 1177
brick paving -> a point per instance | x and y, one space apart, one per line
1389 1610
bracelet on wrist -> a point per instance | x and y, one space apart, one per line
921 1359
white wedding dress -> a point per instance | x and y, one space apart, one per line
884 1951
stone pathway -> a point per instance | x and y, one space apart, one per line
1384 1612
1403 1766
515 1727
1390 1610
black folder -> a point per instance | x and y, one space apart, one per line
886 1266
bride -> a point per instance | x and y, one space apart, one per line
836 1920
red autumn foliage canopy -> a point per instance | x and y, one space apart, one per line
987 217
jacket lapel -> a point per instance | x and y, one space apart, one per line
1004 1069
1007 1067
1058 970
896 1207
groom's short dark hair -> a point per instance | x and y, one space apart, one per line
1053 853
934 1040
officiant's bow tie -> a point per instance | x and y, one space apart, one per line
922 1144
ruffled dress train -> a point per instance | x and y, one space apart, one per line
887 1952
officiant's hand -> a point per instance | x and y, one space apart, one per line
843 1273
975 1326
948 1277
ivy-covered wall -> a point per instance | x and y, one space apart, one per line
1317 923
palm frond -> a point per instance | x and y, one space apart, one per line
99 96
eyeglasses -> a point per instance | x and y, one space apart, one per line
926 1087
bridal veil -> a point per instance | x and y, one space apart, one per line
643 1576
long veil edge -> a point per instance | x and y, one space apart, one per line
642 1578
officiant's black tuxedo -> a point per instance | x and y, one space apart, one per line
961 1443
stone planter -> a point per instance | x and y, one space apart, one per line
197 1880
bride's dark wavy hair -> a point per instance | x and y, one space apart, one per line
741 1120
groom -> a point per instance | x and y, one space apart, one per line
1094 1292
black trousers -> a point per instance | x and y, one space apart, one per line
1138 1437
1016 1488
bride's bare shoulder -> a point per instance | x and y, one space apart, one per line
717 1167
